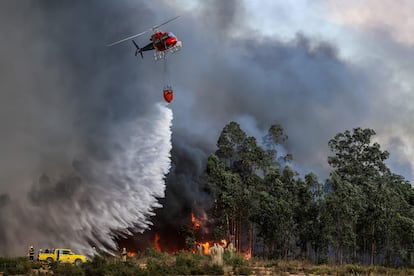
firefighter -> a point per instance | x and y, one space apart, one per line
124 254
31 253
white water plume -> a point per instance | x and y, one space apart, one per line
101 197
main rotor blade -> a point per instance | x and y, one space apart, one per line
168 21
128 38
152 29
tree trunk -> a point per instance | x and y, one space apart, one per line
251 239
372 244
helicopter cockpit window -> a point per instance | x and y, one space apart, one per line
170 34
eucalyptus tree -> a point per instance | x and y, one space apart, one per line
360 162
310 227
232 170
343 204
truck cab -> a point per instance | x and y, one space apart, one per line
63 255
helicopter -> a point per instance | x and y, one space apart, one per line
161 42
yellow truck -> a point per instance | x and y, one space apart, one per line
63 255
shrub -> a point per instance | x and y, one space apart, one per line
242 270
12 266
233 260
152 253
95 267
66 269
238 263
158 267
214 269
118 268
103 267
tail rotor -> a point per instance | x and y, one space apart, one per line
138 50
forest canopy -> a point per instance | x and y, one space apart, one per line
363 213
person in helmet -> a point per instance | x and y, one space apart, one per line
31 253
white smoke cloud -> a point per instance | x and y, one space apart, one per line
100 197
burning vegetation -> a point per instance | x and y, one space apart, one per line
198 239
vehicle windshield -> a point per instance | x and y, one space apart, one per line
170 34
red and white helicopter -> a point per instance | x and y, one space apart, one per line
161 42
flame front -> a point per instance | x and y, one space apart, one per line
206 247
156 244
131 254
203 247
196 222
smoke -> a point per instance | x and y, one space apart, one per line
85 148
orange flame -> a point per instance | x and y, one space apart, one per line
131 254
156 244
247 255
196 222
206 247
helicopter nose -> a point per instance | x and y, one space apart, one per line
171 40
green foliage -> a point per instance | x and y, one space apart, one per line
117 267
151 252
233 259
158 267
65 269
275 137
238 263
378 201
96 266
362 210
211 269
13 266
104 267
186 263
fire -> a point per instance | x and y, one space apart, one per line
206 247
203 244
203 247
131 254
247 255
156 244
196 222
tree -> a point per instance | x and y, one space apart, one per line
310 228
229 143
237 171
227 191
360 163
272 140
356 159
343 205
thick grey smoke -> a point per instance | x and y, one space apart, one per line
84 145
302 84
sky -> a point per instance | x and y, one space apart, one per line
85 133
